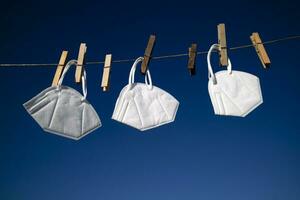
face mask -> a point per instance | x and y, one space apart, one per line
233 93
64 111
144 106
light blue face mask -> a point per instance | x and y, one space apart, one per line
64 111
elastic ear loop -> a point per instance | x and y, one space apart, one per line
148 76
210 71
229 67
132 74
132 70
83 77
84 84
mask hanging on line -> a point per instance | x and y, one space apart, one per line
233 93
144 106
64 111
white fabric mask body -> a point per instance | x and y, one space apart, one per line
64 111
144 106
233 93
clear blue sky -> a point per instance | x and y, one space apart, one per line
200 155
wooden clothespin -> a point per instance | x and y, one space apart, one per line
260 49
148 53
106 72
60 67
222 45
80 62
192 59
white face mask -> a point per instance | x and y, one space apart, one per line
233 93
144 106
64 111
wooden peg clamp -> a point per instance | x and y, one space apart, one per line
106 72
222 45
60 68
192 59
80 62
148 54
260 49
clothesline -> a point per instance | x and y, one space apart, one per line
154 57
64 111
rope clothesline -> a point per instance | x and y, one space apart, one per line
154 57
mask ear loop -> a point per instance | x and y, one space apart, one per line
84 85
132 72
211 74
229 67
148 77
83 78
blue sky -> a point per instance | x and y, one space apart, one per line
200 155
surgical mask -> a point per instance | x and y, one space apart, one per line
233 93
64 111
144 106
